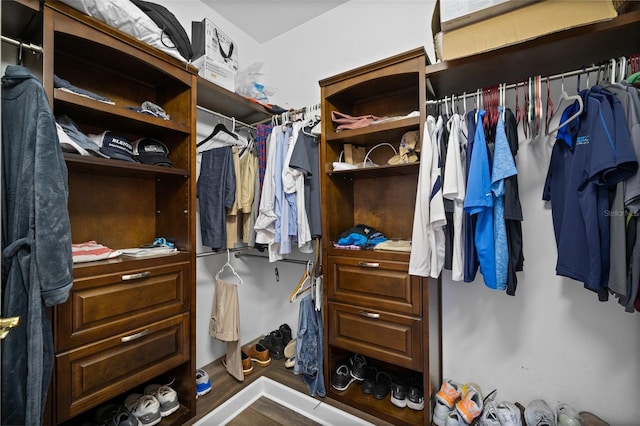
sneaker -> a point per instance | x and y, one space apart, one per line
166 396
275 343
342 378
489 415
369 382
285 330
399 390
538 413
383 384
290 349
259 354
591 419
415 397
114 415
124 418
446 399
203 384
455 419
146 408
470 405
567 416
290 362
358 366
509 414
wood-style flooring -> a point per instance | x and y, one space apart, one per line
263 411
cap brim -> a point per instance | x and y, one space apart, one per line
117 156
155 160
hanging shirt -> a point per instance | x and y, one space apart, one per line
454 189
479 202
305 157
470 255
503 167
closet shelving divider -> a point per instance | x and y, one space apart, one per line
217 98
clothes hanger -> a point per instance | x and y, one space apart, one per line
228 264
550 109
299 289
564 97
220 127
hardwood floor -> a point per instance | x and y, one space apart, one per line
224 386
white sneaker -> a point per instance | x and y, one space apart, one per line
203 384
455 419
166 396
489 415
538 413
509 414
567 416
146 408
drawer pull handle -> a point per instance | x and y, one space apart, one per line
369 264
136 276
134 336
370 314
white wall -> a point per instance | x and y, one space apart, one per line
553 340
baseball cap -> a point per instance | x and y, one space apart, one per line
114 145
151 151
73 140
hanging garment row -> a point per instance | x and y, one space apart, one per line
247 191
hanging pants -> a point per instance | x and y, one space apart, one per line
225 324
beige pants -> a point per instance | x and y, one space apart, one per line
225 324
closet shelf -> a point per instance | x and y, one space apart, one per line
104 166
122 118
127 263
217 98
550 54
389 131
378 171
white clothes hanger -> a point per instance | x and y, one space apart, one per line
228 264
564 97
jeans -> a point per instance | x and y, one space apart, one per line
309 347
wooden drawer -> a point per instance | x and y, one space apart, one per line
385 336
96 373
100 306
378 284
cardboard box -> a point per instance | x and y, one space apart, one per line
216 53
458 13
519 25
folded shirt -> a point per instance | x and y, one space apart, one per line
91 251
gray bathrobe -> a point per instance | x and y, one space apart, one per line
36 243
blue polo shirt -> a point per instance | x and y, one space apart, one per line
589 156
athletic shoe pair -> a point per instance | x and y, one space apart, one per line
539 413
347 373
407 392
158 401
457 404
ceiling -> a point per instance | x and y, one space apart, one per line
266 19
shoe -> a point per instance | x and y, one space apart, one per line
538 413
146 408
446 399
166 396
114 414
455 419
369 382
415 397
489 415
259 354
275 343
290 362
591 419
567 416
203 384
342 378
290 349
358 366
285 330
383 384
509 414
471 404
247 366
124 418
399 391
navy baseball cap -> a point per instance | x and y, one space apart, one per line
114 145
151 151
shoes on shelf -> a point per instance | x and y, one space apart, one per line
342 378
358 366
383 385
415 396
275 343
509 414
369 382
399 390
124 418
538 413
203 384
146 408
166 396
114 414
259 354
445 401
471 403
285 330
290 348
567 416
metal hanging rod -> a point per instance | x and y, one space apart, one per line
211 253
242 254
29 46
225 117
514 85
